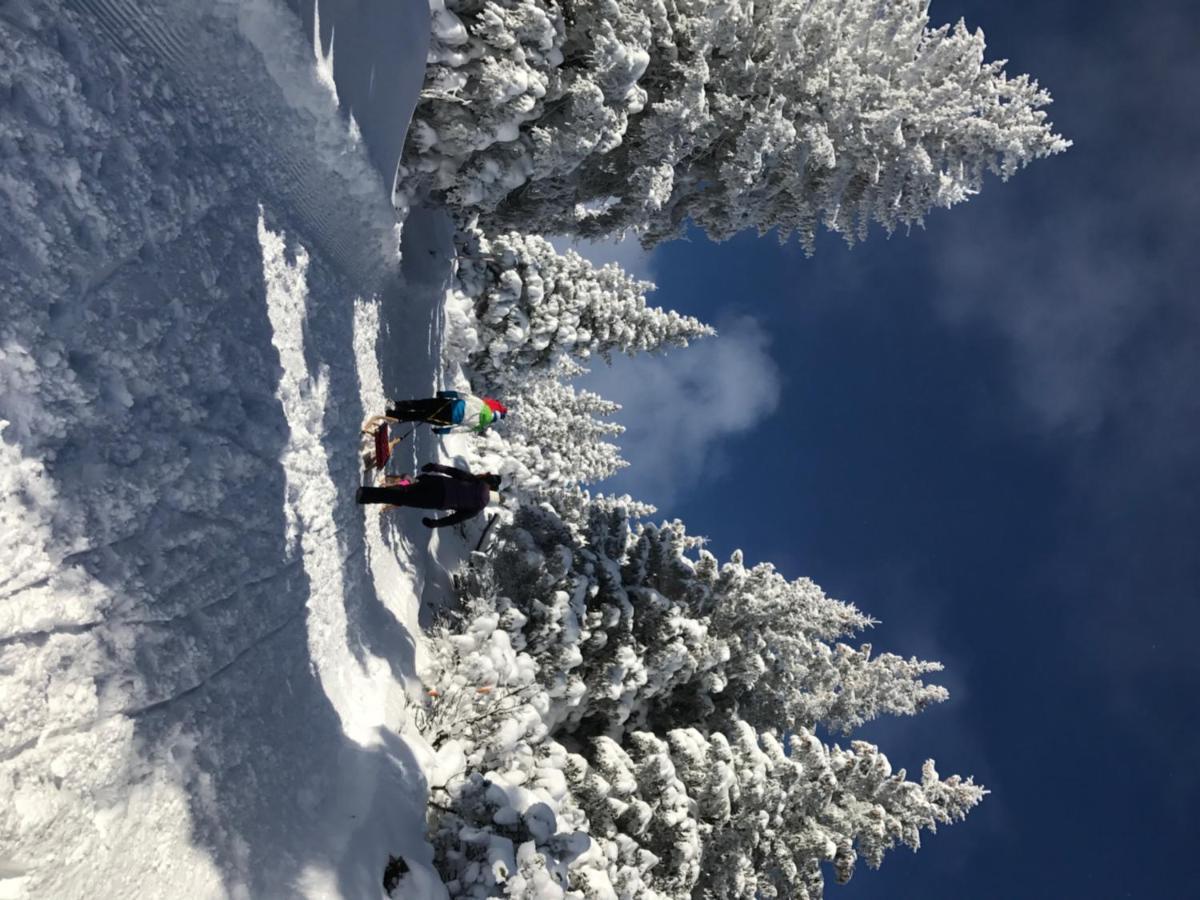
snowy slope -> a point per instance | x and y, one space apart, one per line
368 48
207 652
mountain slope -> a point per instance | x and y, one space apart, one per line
207 652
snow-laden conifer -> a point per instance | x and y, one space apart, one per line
554 436
522 316
596 118
534 305
615 650
731 813
780 657
793 811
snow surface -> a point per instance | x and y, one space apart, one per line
208 654
369 48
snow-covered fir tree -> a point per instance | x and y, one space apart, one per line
593 118
510 95
522 315
639 634
775 815
785 660
534 306
605 647
555 436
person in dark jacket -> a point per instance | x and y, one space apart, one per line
450 410
438 487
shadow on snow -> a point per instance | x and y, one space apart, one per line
177 476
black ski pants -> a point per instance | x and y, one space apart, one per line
435 410
422 493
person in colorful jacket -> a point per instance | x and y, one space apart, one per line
450 410
462 492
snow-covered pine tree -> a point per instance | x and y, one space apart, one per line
612 645
534 306
781 660
730 813
829 113
521 316
598 117
510 95
490 67
782 813
639 635
555 436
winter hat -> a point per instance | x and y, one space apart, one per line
496 406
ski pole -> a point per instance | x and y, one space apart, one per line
488 527
406 434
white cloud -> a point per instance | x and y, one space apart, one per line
680 407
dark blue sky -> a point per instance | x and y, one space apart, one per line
988 436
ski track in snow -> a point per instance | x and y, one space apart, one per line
207 651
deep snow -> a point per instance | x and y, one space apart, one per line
208 653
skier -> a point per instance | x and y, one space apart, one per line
449 409
438 487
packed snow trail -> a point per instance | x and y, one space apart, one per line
207 652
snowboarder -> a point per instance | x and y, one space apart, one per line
438 487
449 409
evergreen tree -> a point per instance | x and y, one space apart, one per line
636 694
533 306
598 117
534 313
778 661
732 814
555 436
640 636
